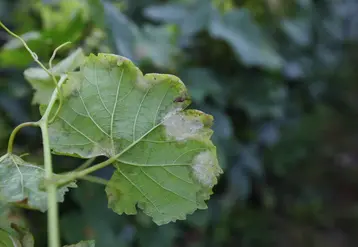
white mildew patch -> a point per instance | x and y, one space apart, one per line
205 169
180 127
172 112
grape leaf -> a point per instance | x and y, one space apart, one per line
6 240
25 237
14 54
21 181
18 237
122 30
183 14
95 221
166 163
64 20
155 44
43 83
82 244
248 41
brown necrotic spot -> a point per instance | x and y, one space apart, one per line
179 99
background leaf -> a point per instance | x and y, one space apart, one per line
21 183
96 222
156 45
123 31
19 237
43 83
7 240
238 28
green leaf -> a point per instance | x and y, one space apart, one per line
64 21
155 43
298 30
122 30
14 54
166 163
95 220
43 83
25 237
83 244
200 13
18 237
191 17
15 43
21 181
96 10
6 240
202 83
151 43
169 12
59 15
11 215
239 29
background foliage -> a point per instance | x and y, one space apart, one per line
280 78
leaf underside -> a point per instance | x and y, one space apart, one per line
21 182
166 163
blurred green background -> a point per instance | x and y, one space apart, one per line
280 78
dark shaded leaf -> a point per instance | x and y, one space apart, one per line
238 28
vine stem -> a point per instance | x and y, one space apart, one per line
94 179
52 215
54 79
15 131
85 165
33 55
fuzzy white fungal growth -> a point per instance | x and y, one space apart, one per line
181 127
205 169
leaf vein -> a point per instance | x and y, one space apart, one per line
160 105
114 110
78 131
78 113
90 116
173 174
183 197
136 117
150 165
139 189
98 91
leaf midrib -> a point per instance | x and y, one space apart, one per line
114 110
